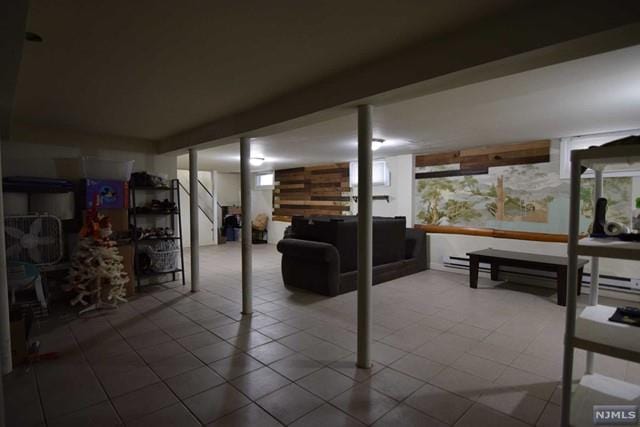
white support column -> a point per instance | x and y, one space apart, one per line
572 289
594 283
365 235
411 221
12 27
216 221
245 200
195 220
5 331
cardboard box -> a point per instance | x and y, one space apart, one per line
18 340
119 218
108 194
234 210
126 251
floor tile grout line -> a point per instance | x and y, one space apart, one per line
147 364
88 362
276 297
164 380
38 390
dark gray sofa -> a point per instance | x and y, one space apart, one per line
320 253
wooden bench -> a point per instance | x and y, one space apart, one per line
497 258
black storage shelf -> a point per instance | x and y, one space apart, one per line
159 273
134 216
149 188
156 239
150 213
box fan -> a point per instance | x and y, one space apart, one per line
36 239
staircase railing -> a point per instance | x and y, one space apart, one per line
209 214
208 192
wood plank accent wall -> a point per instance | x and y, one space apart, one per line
479 159
312 190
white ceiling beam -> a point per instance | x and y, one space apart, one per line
88 141
540 35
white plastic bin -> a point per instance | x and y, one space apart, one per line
97 168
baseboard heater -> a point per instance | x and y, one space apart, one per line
613 283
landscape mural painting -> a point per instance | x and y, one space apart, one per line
529 197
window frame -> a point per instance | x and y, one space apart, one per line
259 185
386 175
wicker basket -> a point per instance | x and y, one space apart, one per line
163 256
164 261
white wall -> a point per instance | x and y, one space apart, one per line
205 227
444 245
276 231
262 202
399 190
228 188
226 192
402 199
60 161
48 160
15 203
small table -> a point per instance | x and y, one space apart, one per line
497 258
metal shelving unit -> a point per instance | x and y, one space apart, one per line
590 328
175 221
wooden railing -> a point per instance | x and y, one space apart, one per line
492 232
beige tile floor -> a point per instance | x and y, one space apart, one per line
443 354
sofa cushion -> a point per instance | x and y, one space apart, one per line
315 229
342 232
388 240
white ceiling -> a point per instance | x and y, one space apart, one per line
150 69
596 94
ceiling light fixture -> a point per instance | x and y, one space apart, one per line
376 143
256 161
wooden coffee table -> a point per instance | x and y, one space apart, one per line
497 258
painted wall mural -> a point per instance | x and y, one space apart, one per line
618 192
529 197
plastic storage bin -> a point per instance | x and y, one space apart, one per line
97 168
108 194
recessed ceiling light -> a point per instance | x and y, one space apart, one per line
256 161
376 143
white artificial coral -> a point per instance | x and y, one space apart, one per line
97 272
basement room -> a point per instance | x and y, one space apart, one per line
201 225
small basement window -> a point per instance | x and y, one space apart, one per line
380 173
264 180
